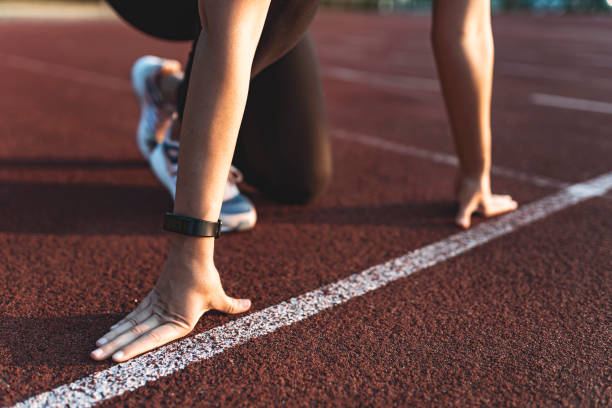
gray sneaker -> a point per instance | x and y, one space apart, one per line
237 212
155 116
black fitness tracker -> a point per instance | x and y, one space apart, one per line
195 227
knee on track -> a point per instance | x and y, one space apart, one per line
302 186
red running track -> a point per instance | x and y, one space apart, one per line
522 320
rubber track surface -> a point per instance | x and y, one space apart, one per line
524 320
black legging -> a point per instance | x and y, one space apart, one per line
283 147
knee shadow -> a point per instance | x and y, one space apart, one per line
421 214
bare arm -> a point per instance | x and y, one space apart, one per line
189 284
215 102
462 40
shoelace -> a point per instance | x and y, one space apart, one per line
171 152
235 176
161 112
152 91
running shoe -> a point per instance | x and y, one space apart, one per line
154 114
237 212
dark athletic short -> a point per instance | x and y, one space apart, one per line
283 147
178 20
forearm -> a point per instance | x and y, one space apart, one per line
215 103
189 284
463 47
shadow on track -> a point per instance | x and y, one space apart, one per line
62 163
88 209
430 214
105 209
63 341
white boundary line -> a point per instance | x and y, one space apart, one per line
60 71
36 66
393 82
565 102
442 158
597 60
174 357
344 74
547 72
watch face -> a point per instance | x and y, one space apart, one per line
192 226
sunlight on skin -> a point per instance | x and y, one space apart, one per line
462 40
189 284
169 312
474 196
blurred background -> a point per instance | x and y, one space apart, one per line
538 5
555 6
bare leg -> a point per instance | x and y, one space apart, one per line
463 46
283 147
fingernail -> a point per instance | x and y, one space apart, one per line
245 303
118 355
97 353
101 341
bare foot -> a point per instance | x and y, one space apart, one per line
474 195
185 291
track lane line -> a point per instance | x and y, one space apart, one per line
345 74
565 102
392 82
388 81
442 158
172 358
66 72
546 72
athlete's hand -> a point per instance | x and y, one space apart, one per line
474 195
186 289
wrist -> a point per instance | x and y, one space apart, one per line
191 226
480 173
192 250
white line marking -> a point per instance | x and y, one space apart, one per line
394 82
36 66
340 73
443 158
565 102
344 74
374 39
413 83
596 60
413 59
527 70
173 358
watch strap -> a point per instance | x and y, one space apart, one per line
195 227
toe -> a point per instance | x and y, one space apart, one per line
499 204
